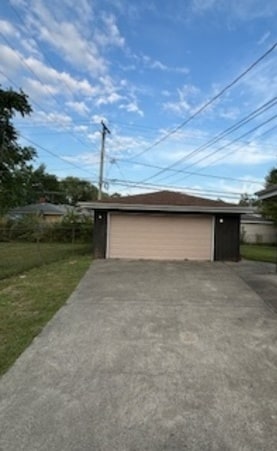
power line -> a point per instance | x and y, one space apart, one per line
209 102
40 81
130 183
228 153
144 183
56 156
181 171
258 111
232 142
38 45
206 145
44 148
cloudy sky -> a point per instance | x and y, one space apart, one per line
150 69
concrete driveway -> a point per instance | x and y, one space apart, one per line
148 356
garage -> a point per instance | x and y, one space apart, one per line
166 225
159 237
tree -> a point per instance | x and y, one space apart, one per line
248 201
14 158
39 184
77 190
269 207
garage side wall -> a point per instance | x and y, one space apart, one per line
100 234
227 238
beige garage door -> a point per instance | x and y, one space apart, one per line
160 237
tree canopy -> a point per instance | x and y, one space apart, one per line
76 190
269 207
20 182
248 201
14 158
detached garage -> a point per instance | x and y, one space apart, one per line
166 225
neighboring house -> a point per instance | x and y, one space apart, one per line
49 212
269 193
256 229
166 225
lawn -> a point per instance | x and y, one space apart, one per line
29 300
17 257
259 252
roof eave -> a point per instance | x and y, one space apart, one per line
267 193
164 208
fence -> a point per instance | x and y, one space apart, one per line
26 245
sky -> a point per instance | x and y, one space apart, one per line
157 72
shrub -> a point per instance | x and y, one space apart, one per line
28 228
73 228
31 228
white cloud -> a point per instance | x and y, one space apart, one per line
108 99
251 154
83 9
200 6
253 9
237 154
245 10
264 37
119 144
38 89
9 61
97 119
150 63
132 107
56 81
87 158
110 36
186 100
30 46
81 128
6 28
257 83
235 187
54 119
72 39
229 112
65 37
79 107
94 137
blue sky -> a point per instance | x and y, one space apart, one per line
145 67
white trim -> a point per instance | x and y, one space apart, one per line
108 236
268 193
257 222
164 208
213 238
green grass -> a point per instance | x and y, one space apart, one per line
28 301
259 252
17 257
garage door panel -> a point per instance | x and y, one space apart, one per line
160 237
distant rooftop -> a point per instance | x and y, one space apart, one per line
44 208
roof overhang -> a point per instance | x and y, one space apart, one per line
164 208
268 193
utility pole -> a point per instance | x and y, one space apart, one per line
105 130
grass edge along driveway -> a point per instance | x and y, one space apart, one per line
28 301
259 252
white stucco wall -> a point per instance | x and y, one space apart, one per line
258 233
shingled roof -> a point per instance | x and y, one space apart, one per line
165 201
166 198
